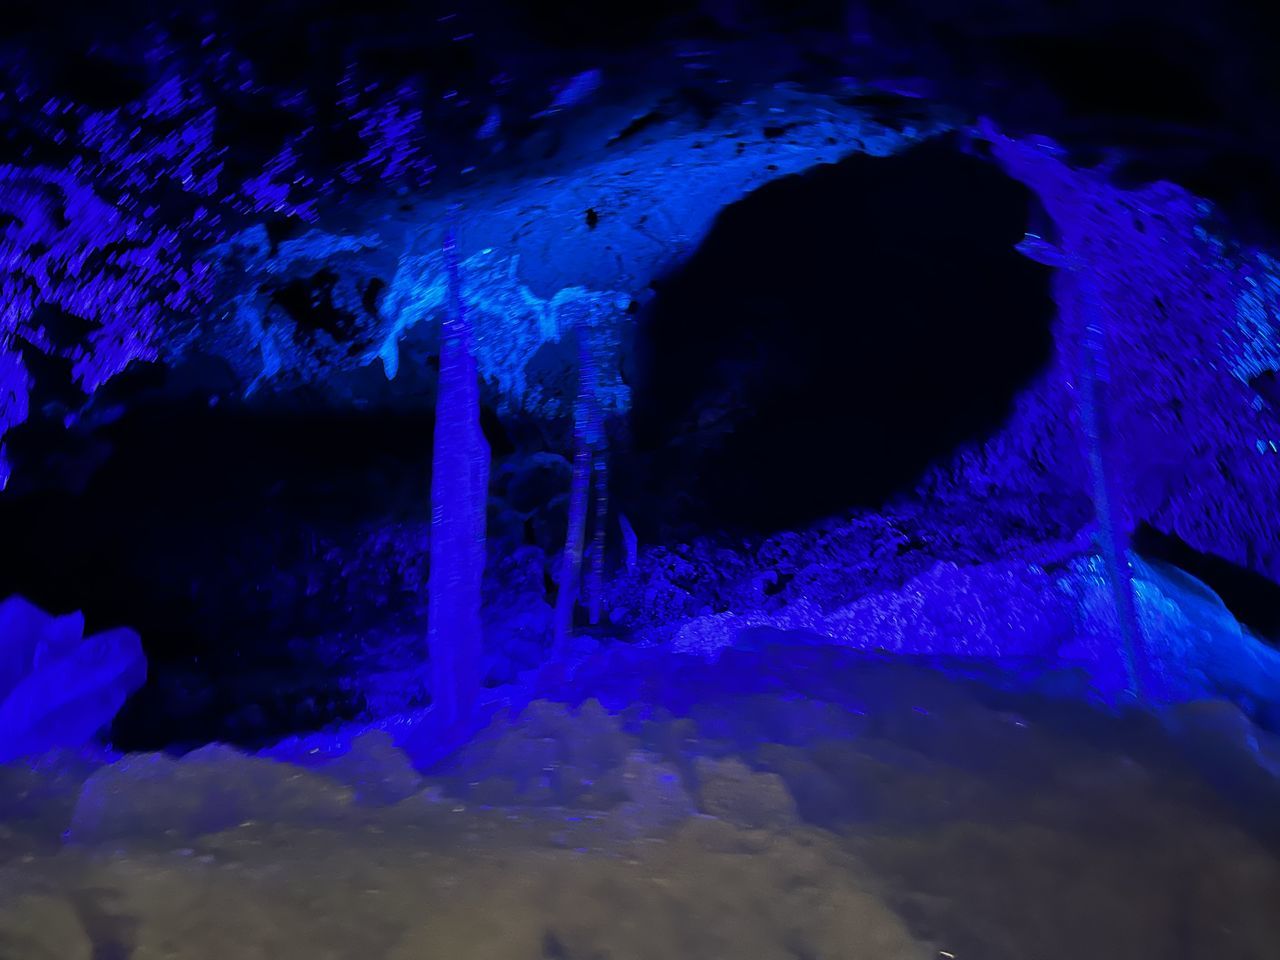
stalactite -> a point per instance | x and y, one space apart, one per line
1112 534
459 494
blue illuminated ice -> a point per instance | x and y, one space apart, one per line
1014 610
459 495
575 91
59 688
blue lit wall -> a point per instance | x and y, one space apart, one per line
271 251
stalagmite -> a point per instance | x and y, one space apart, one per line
459 494
588 449
1113 538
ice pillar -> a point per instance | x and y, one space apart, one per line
588 438
459 496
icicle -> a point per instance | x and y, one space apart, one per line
1114 540
459 496
630 543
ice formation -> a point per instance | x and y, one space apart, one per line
1186 330
1107 488
459 497
790 799
589 467
901 732
59 688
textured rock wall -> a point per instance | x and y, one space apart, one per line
1188 320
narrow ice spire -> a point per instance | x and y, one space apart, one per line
1113 538
459 495
1091 405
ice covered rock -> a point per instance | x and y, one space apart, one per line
41 927
375 769
732 791
1193 645
57 687
152 796
546 755
992 610
29 636
657 799
37 798
1241 760
709 634
710 890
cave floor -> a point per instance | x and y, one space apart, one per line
858 807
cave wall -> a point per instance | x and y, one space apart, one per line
1188 319
1188 312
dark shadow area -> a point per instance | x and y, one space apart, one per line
235 540
836 333
1252 598
184 489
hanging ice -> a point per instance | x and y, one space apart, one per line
459 494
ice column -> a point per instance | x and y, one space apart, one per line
1106 501
459 495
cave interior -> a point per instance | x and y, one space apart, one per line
504 443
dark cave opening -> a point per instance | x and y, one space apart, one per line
1252 598
836 333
